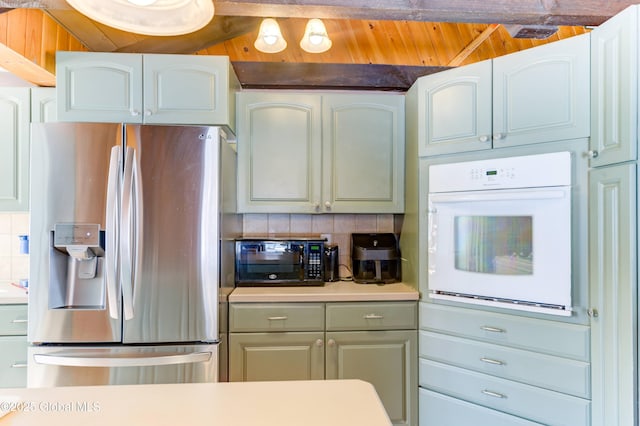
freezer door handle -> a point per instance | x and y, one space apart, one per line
112 231
140 360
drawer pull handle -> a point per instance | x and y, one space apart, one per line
493 394
282 318
373 316
493 329
18 321
19 365
492 361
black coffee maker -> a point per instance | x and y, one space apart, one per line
375 258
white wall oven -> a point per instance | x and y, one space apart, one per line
500 232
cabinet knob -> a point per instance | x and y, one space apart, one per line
592 312
499 136
147 112
316 206
331 342
135 112
319 343
592 153
327 205
484 138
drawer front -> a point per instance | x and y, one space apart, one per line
248 317
550 372
13 320
372 316
13 362
530 402
550 337
441 410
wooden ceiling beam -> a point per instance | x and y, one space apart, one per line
18 65
525 12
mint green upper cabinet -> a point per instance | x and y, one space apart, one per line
542 94
152 89
279 152
43 105
363 153
532 96
456 107
614 89
313 153
14 148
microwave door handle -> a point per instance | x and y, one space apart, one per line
301 261
112 231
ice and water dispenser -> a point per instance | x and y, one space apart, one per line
76 261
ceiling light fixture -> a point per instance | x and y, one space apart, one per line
315 39
149 17
270 38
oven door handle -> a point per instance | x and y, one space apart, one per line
502 195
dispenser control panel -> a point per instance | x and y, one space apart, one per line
72 234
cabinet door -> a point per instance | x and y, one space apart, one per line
279 152
43 105
276 356
455 110
542 94
613 282
614 89
14 148
99 87
363 153
386 359
180 89
13 361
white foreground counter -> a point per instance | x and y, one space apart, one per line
289 403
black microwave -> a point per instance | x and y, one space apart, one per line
279 262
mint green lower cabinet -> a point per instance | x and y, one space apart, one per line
13 361
276 356
437 409
613 291
519 399
386 359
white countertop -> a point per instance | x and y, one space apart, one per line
339 291
287 403
10 294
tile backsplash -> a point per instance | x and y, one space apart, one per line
13 265
337 228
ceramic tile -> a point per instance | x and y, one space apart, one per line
19 267
300 224
5 223
255 224
20 223
344 223
322 224
384 223
5 245
5 268
278 224
366 223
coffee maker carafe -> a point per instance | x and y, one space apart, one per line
375 258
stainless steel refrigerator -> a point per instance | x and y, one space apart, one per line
131 255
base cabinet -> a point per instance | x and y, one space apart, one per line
13 346
371 341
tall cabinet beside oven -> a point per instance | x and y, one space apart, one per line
485 365
613 219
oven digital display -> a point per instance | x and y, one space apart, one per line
492 172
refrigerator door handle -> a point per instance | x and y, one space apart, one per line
69 360
126 268
112 231
137 223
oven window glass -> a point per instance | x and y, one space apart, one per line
494 244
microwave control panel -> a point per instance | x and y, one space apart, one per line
527 171
315 267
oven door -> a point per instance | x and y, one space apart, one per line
269 262
508 248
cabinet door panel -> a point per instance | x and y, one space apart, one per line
614 89
13 362
363 152
43 105
386 359
276 356
613 281
455 110
279 148
14 148
542 94
100 87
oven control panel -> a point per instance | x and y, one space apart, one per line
527 171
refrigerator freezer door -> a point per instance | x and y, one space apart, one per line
50 366
169 234
68 297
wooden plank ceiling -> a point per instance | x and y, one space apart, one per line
382 44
